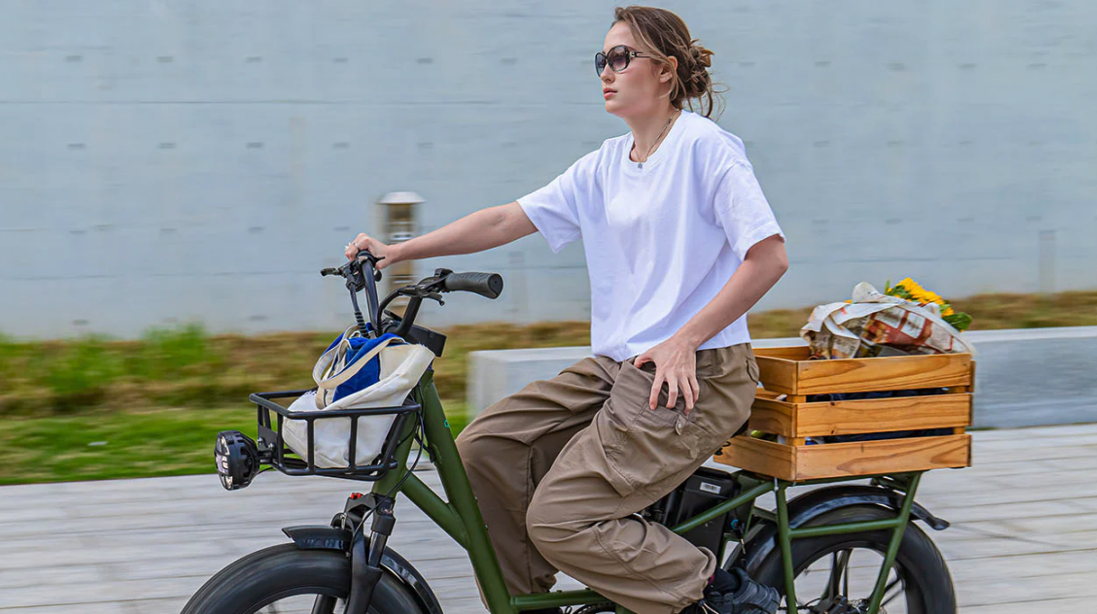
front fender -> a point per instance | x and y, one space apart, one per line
804 508
319 537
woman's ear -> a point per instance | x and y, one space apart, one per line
666 72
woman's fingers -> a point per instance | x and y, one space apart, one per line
685 385
361 242
680 379
672 395
689 394
653 399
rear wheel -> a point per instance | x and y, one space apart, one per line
285 579
837 573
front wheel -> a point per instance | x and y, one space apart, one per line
837 573
284 579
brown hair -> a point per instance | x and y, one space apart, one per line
664 34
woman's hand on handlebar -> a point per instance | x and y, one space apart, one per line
386 253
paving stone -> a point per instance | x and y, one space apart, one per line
1024 535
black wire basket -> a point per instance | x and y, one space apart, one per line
274 451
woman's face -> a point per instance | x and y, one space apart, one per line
641 88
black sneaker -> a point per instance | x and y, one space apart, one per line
735 592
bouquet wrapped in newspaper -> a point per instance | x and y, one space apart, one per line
904 320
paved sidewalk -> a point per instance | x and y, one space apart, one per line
1024 535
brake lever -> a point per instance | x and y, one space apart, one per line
423 290
341 271
437 296
431 284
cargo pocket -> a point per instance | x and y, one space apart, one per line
648 445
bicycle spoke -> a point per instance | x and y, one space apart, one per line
845 576
839 564
832 582
887 589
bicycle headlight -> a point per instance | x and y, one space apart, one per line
237 459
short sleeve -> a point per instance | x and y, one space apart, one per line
554 209
742 210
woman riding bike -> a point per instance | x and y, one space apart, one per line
680 242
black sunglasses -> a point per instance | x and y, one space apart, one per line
618 59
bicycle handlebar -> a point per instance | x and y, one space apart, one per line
489 285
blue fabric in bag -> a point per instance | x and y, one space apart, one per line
370 373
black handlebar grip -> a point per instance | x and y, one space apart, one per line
484 284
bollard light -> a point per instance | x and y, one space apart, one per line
400 223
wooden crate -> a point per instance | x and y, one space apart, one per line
787 371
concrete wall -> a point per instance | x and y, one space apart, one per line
172 161
1029 377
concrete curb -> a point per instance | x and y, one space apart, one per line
1025 377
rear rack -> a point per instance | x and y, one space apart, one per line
274 451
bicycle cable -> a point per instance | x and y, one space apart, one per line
420 427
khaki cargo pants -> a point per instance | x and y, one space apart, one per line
561 468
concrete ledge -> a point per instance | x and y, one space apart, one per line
495 374
1025 377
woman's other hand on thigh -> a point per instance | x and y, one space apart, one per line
675 365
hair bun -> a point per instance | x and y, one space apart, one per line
700 54
696 78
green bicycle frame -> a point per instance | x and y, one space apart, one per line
459 516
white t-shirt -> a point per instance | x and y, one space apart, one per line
662 238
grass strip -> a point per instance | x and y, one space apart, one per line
156 443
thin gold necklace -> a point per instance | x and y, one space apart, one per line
656 142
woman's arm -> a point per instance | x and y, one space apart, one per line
676 358
476 232
765 263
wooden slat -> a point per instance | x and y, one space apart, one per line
798 463
876 374
860 416
762 393
759 456
771 416
777 374
791 352
782 373
887 456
